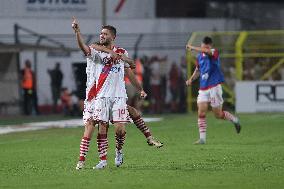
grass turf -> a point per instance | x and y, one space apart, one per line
252 159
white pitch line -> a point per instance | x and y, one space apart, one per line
51 124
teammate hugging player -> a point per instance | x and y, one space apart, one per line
106 96
208 69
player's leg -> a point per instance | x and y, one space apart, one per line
120 135
88 133
216 102
119 117
201 121
202 105
220 114
101 113
141 125
85 143
102 143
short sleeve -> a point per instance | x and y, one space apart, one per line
197 64
215 54
93 52
126 65
126 53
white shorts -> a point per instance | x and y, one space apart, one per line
107 109
212 95
89 109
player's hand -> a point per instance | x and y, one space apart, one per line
188 82
123 56
115 56
189 47
129 61
143 94
75 24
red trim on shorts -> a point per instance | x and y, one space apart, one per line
120 121
209 87
96 121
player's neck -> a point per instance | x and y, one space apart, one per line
110 46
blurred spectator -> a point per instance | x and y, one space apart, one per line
70 103
174 86
163 74
28 88
276 75
132 93
35 98
56 78
248 70
182 86
257 72
146 82
282 72
155 81
66 101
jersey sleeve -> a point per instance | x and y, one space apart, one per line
126 65
196 63
92 52
215 54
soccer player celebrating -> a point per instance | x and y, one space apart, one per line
106 94
98 78
208 69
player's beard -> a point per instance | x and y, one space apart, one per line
106 42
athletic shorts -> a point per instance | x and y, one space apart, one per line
89 109
212 95
107 109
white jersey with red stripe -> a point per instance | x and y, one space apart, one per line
104 77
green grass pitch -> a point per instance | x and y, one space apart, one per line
254 159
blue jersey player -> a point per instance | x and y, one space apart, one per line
208 70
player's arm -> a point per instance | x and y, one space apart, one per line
199 49
86 50
193 77
127 60
131 76
104 49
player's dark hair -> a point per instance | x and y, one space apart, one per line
207 40
110 28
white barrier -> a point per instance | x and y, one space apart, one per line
53 124
260 96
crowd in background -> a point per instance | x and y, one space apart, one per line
63 101
163 80
255 68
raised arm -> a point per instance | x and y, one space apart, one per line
131 76
193 77
199 49
80 40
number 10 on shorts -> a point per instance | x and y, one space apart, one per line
121 113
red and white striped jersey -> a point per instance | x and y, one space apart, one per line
104 77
